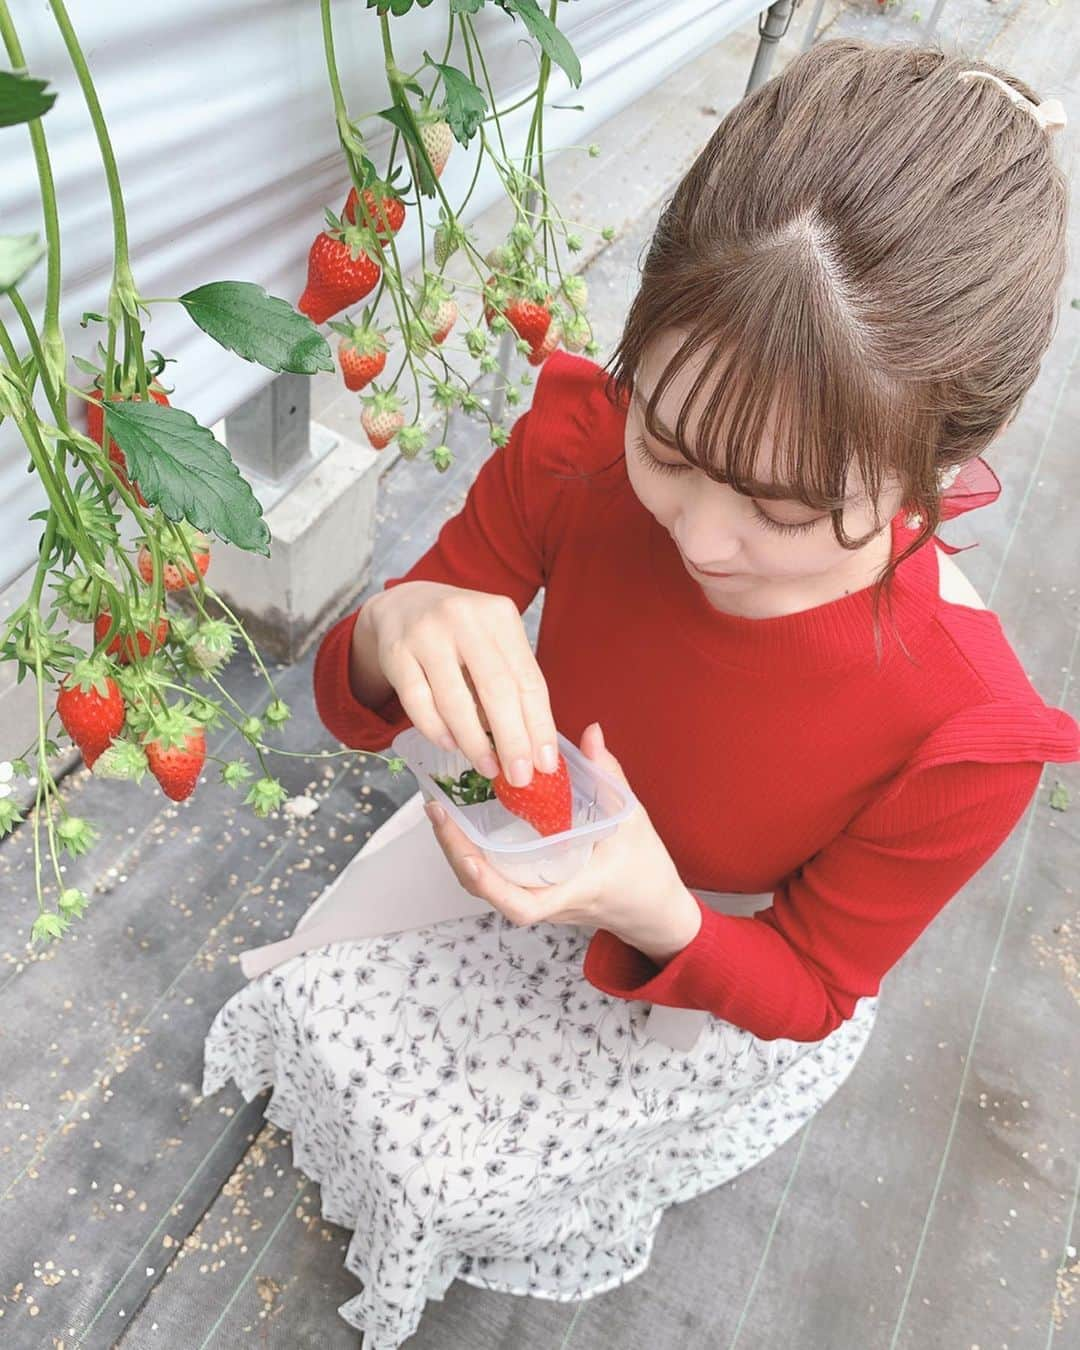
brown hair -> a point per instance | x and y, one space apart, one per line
872 245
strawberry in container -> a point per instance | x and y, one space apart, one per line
538 835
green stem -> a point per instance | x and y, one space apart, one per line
112 177
54 337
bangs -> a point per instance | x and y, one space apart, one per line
819 430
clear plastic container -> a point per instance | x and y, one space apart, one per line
510 844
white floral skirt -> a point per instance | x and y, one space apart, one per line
472 1108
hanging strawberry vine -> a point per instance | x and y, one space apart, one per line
138 688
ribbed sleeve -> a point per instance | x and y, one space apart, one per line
835 928
496 544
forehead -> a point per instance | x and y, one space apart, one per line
677 395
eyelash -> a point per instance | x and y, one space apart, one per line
662 466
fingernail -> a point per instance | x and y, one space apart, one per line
520 772
549 758
472 868
435 813
488 765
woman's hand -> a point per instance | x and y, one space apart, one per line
460 664
629 886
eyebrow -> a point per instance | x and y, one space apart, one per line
766 491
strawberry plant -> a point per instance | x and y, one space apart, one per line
441 114
126 642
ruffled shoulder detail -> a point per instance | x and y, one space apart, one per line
999 732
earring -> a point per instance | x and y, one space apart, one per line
945 479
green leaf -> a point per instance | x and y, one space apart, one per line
548 36
180 467
398 118
22 98
467 6
18 254
244 319
465 104
1060 798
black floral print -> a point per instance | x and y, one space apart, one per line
472 1108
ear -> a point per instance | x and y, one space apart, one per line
593 748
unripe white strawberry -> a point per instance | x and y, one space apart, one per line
438 141
211 645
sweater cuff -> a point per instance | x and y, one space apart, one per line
616 968
341 712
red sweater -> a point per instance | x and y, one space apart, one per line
771 754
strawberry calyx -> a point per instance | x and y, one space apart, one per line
171 729
93 672
381 401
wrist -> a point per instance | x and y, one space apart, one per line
679 932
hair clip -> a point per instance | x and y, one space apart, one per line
1050 113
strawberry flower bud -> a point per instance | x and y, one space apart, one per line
265 795
76 835
235 772
72 902
48 926
251 728
278 712
10 816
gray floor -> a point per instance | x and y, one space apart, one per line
931 1204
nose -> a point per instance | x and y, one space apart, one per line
706 540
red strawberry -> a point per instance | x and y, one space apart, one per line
539 354
546 803
378 213
91 708
528 319
382 417
176 575
145 643
361 353
358 367
95 426
336 278
438 141
176 751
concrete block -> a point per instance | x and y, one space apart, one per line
322 531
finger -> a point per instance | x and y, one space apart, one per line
534 696
476 698
498 693
457 706
417 701
477 876
594 749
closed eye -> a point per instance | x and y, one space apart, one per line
770 523
786 527
660 465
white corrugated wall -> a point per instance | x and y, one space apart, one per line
222 125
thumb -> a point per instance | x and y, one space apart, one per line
593 747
